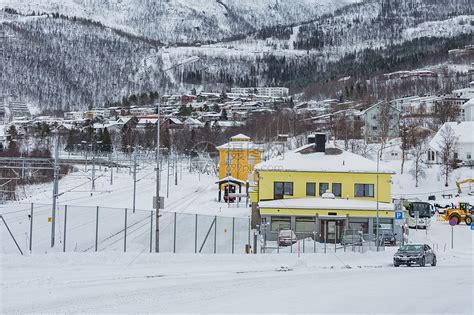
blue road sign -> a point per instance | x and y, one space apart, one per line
398 215
452 222
472 227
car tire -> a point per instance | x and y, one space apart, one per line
468 220
396 265
422 262
434 261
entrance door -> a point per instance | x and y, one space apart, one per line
334 230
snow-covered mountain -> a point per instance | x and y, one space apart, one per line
79 53
185 21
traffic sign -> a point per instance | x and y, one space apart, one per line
472 227
398 215
452 222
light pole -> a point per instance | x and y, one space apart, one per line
157 229
377 192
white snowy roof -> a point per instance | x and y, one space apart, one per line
230 178
463 130
240 145
345 162
469 103
190 121
322 203
240 136
175 120
144 121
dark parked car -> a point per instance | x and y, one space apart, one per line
387 238
414 254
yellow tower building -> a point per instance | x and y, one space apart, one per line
237 159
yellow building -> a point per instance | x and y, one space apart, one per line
237 159
321 192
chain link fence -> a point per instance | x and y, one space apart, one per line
29 228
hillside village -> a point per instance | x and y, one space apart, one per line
236 156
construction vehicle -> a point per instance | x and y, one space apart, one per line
463 212
458 184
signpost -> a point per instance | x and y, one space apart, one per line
399 218
452 222
417 215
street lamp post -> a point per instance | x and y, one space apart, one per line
377 192
157 228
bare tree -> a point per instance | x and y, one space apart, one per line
448 144
447 110
404 145
384 125
417 153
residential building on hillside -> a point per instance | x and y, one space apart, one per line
320 192
467 110
381 121
464 131
465 92
18 110
266 91
413 105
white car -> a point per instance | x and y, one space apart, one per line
286 238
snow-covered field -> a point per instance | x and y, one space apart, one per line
137 281
278 283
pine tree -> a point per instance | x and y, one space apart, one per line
224 114
106 141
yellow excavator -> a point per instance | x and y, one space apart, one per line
462 213
458 184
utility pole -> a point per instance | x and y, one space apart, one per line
134 179
157 228
175 171
93 173
168 176
55 191
111 170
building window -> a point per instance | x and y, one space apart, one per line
250 160
322 188
337 189
310 189
282 188
305 225
364 190
374 127
280 223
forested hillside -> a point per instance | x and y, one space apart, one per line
81 53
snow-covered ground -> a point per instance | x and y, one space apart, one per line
81 280
278 283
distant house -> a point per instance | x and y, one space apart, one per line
174 123
465 142
376 117
227 123
467 110
466 92
266 91
192 123
413 105
3 138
